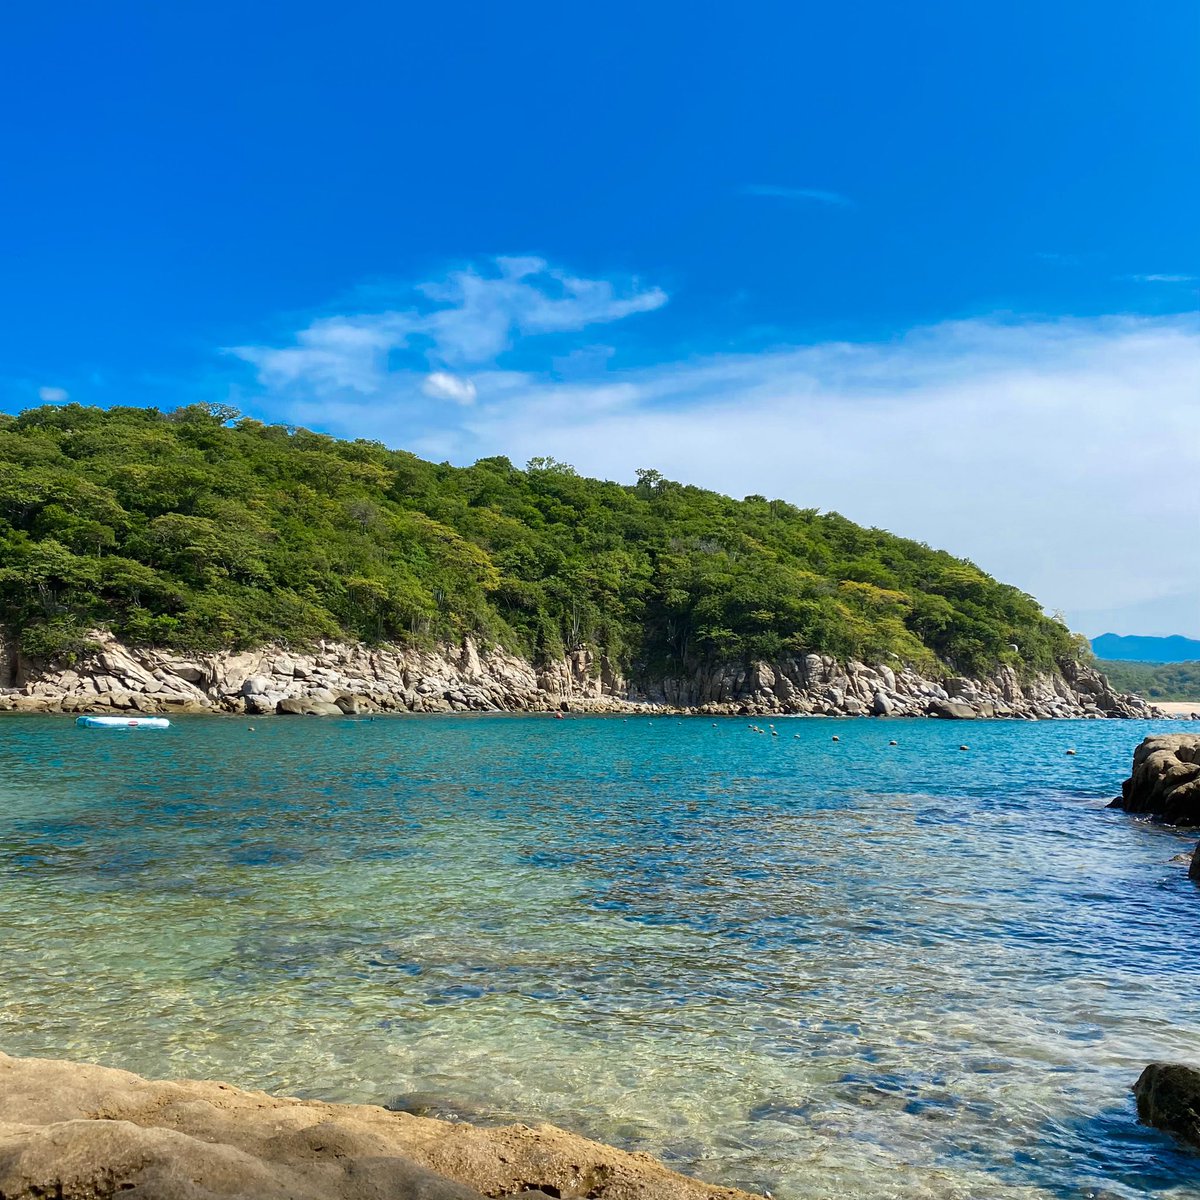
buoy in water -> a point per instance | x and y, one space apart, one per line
836 738
893 743
1070 751
964 747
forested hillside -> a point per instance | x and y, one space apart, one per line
197 529
1155 681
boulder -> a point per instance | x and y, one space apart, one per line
185 704
1168 1098
954 710
960 688
187 671
298 706
881 706
256 685
1165 780
80 1132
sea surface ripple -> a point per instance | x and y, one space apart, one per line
830 969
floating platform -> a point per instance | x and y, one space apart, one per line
123 722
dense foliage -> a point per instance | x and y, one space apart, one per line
1155 681
198 529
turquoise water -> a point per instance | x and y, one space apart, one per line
828 969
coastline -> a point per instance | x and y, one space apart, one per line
78 1130
336 679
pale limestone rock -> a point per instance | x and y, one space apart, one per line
82 1132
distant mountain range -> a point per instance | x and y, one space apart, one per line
1171 649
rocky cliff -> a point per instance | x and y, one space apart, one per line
80 1132
336 678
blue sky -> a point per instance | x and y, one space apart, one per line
932 265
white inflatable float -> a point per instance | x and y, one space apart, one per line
124 722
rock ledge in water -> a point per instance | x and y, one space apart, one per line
1168 1098
80 1132
1165 782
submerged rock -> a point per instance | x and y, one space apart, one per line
437 1106
1168 1098
83 1132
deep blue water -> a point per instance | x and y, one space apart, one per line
824 968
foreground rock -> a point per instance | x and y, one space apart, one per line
336 679
1165 781
1168 1098
89 1133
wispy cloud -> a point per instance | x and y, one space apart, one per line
53 395
465 321
797 193
1162 278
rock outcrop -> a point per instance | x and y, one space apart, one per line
819 684
335 679
90 1133
1165 781
1168 1098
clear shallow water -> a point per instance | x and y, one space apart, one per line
828 969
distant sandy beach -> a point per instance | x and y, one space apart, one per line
1178 708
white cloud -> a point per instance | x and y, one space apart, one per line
53 395
466 319
333 353
481 315
797 193
1162 278
441 385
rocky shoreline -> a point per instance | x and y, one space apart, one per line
336 679
1164 784
81 1132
